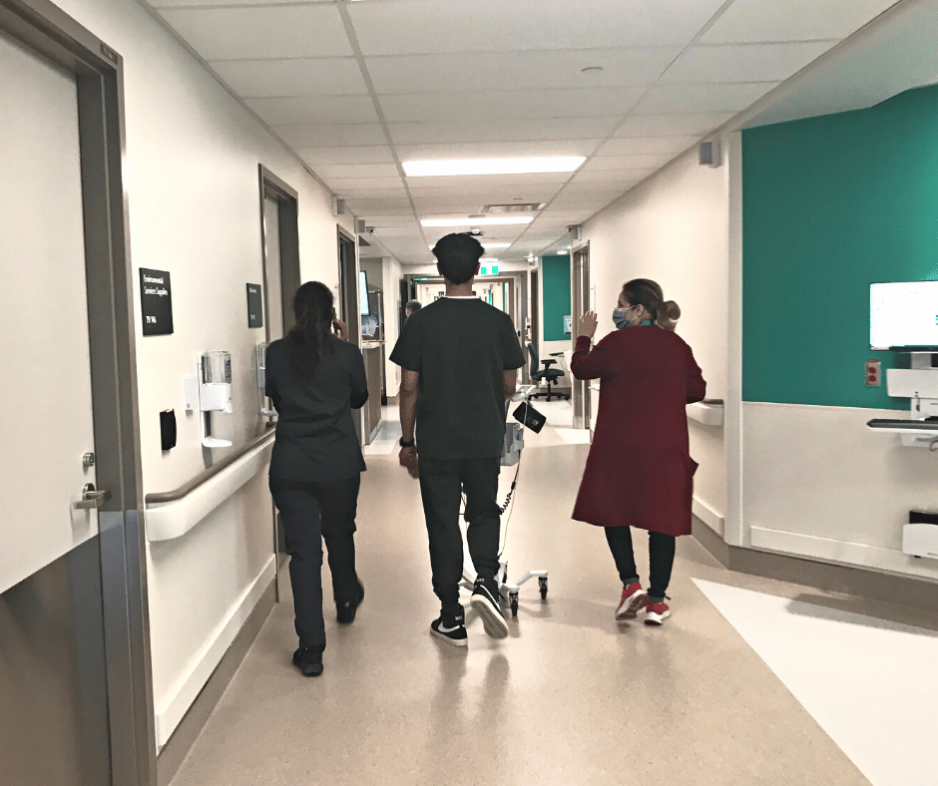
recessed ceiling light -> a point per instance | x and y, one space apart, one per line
472 222
492 166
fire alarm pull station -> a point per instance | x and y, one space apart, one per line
873 376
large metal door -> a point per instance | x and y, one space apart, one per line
53 716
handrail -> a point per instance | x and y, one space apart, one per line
163 497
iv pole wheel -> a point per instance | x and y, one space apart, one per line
542 583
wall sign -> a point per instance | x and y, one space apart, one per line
156 302
255 306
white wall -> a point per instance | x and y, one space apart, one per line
674 229
192 178
393 273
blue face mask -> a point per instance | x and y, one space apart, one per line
619 318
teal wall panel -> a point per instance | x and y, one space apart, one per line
831 205
557 296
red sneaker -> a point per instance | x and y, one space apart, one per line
656 613
633 599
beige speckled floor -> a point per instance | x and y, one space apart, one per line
571 697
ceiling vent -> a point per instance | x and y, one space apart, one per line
513 207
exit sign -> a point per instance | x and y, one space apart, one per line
488 271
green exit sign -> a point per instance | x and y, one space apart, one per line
488 271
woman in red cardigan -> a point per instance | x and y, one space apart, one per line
639 472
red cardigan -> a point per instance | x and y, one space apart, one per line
639 471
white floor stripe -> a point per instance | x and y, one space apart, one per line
870 684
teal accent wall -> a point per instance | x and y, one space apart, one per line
558 299
831 205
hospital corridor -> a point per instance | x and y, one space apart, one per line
457 392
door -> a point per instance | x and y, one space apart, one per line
273 289
581 304
53 711
348 307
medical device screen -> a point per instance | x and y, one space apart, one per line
904 314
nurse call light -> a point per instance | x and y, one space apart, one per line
904 314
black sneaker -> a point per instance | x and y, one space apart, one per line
345 612
485 601
451 629
309 661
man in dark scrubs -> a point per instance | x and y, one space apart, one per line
459 359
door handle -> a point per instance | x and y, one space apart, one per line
92 499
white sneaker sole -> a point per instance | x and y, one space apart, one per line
630 610
492 620
448 640
656 619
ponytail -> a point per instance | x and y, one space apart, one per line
648 293
309 339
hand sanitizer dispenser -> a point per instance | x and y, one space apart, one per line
214 393
260 357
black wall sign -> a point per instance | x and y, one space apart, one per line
156 302
255 306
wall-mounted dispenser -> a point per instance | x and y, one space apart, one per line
260 357
210 391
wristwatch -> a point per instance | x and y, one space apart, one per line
406 444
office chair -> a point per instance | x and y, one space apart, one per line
550 375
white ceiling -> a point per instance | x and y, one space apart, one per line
357 87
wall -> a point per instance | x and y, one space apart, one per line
192 180
392 273
674 229
832 204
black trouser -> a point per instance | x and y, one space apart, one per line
310 514
661 558
442 482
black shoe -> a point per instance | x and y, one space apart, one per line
485 601
345 612
309 661
451 629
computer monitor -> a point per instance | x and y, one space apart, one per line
904 316
363 306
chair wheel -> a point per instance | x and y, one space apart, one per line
542 584
514 604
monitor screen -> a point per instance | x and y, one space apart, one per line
904 314
363 306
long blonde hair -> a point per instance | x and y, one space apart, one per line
648 293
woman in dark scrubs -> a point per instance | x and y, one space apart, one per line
315 379
639 472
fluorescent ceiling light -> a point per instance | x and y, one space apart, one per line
486 245
475 222
493 166
489 259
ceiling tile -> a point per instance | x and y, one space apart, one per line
481 71
493 25
509 104
646 161
262 32
604 178
744 63
327 110
723 97
792 20
374 154
633 146
585 199
359 171
672 124
501 130
399 220
295 77
486 183
433 152
309 135
350 194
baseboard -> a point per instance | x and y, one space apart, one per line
812 571
708 515
187 731
171 711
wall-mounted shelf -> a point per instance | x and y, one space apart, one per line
709 411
